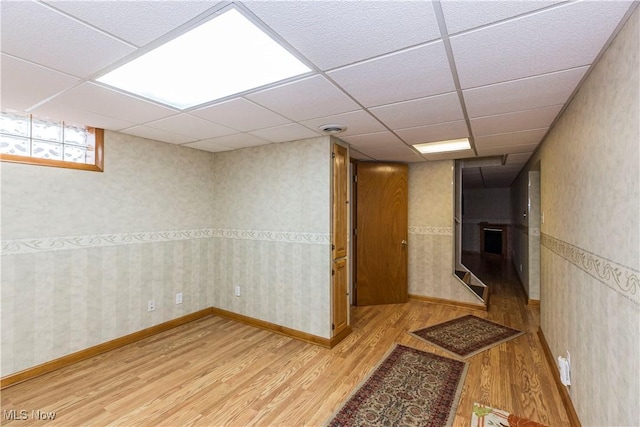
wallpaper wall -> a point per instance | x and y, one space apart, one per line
590 238
431 252
273 204
525 232
83 252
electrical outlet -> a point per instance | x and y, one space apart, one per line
179 298
151 305
564 365
237 291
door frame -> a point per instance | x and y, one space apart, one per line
353 210
349 252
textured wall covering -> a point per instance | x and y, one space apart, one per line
526 231
431 233
590 261
533 237
279 188
146 186
83 252
56 303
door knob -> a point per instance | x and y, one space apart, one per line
404 243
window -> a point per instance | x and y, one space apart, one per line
25 138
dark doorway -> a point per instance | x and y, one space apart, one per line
493 241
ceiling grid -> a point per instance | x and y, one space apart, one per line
395 73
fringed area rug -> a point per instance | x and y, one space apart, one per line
466 336
408 388
486 416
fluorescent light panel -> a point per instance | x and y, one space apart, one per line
226 55
444 146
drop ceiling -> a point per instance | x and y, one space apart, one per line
395 73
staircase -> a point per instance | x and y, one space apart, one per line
475 284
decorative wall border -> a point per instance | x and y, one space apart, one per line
52 244
434 231
622 279
274 236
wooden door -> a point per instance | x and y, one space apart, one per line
382 232
340 297
339 240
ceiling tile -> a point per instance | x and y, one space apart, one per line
373 140
157 134
432 133
73 115
514 138
410 74
470 172
138 22
518 158
357 122
188 125
400 157
394 154
500 171
355 154
386 73
34 32
208 145
479 162
524 94
464 15
380 145
238 140
305 99
499 151
567 36
241 114
107 102
336 33
290 132
420 112
25 85
513 122
450 156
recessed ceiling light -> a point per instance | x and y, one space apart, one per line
332 128
444 146
226 55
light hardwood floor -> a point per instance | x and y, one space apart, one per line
218 372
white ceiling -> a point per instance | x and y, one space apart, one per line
394 72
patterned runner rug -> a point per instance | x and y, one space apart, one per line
486 416
466 336
409 387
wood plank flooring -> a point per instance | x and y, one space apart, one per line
215 372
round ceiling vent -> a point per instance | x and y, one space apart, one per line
332 128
